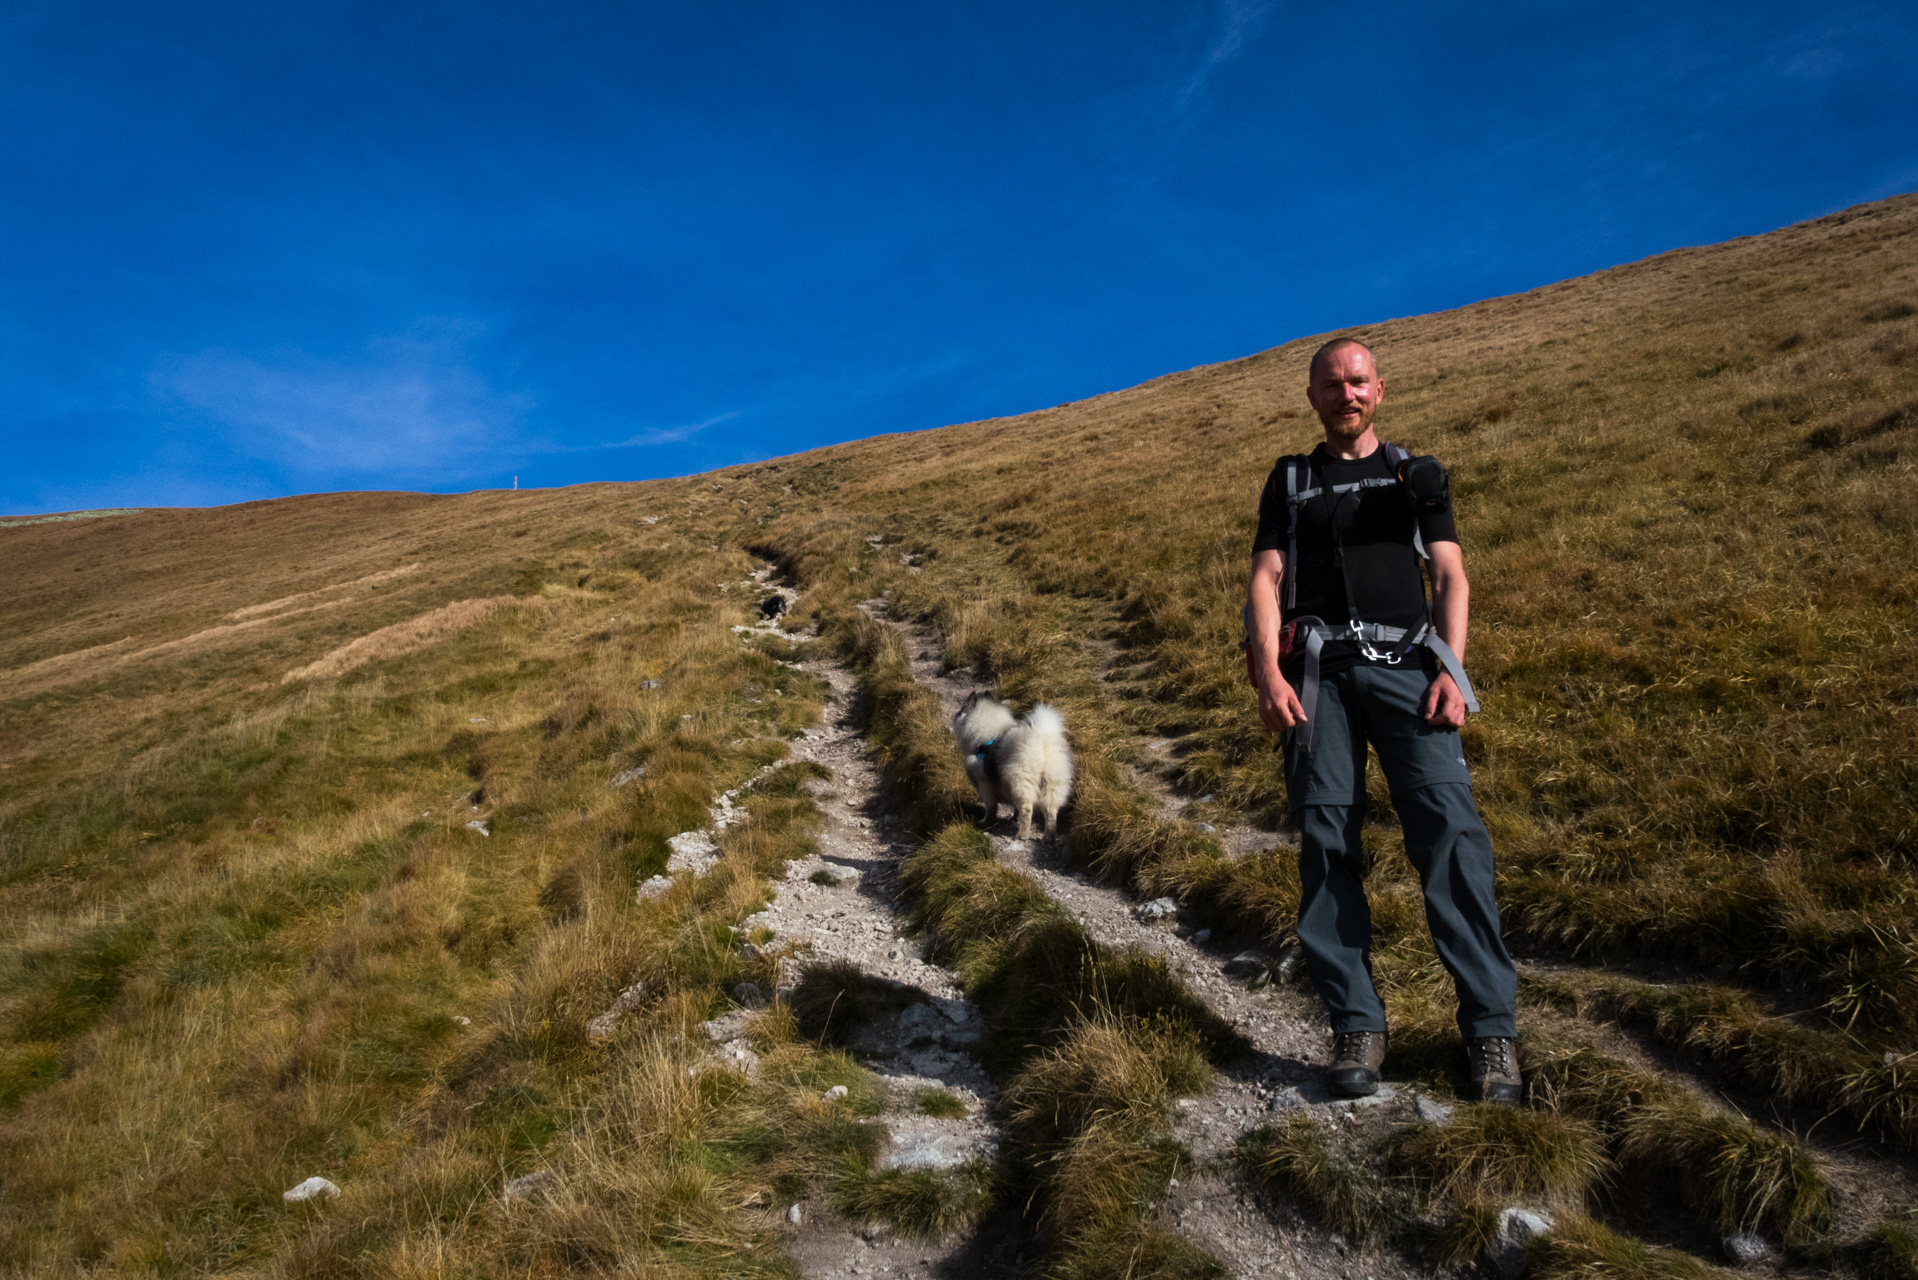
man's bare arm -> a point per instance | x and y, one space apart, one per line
1444 705
1278 702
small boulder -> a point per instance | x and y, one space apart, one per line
1247 964
748 995
1432 1111
1286 1099
480 827
649 684
1202 937
314 1188
652 887
1516 1227
1156 910
795 1215
835 1094
1745 1248
626 776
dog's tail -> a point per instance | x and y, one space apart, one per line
1055 757
1046 720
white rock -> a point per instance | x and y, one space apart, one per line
625 776
462 1019
835 1093
1157 909
480 827
314 1188
528 1185
693 851
1515 1228
1287 1099
653 887
927 1151
1432 1111
1745 1248
795 1215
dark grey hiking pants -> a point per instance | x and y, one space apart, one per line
1444 838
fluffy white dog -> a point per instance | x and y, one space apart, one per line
1025 763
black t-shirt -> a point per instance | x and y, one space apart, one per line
1375 525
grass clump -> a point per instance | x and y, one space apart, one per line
1796 1064
1890 1251
1579 1249
1491 1152
917 1203
941 1104
1300 1160
1735 1176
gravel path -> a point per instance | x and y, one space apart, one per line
1245 1229
843 904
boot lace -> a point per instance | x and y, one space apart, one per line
1352 1044
1494 1055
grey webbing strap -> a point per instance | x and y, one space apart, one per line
1309 690
1315 638
1453 668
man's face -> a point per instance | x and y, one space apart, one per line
1345 391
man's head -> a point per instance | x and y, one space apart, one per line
1345 389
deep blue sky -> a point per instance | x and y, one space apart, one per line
252 249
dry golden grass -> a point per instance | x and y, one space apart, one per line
400 638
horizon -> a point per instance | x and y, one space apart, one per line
257 254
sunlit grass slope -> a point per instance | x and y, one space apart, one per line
246 935
1686 494
251 934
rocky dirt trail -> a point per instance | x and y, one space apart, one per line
843 904
1215 1208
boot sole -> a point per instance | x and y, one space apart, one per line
1351 1084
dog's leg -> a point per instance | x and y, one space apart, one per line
1023 808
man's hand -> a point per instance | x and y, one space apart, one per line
1279 705
1444 705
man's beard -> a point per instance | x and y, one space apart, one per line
1339 426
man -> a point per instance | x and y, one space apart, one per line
1344 650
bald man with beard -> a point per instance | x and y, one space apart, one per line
1345 650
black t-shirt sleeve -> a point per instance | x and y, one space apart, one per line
1438 526
1271 534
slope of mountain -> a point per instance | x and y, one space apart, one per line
250 936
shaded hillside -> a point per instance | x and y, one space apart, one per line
244 914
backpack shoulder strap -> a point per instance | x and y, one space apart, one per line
1298 487
1396 456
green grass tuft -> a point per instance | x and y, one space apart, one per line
1890 1251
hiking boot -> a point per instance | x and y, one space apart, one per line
1493 1067
1356 1059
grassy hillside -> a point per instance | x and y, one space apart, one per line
243 915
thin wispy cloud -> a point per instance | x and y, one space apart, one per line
647 438
1240 22
410 404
